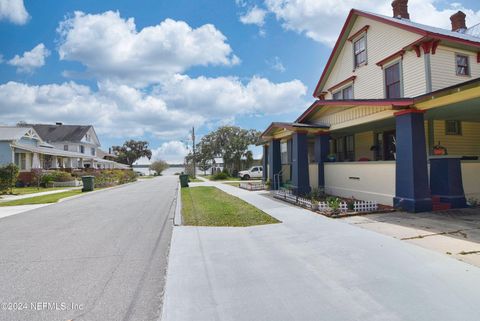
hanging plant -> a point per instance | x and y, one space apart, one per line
439 150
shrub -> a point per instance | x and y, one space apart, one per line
220 176
8 177
55 176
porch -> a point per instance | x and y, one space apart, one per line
404 154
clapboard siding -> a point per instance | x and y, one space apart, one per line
414 81
382 41
444 67
466 144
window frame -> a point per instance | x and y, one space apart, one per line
355 54
341 91
458 128
65 147
468 69
400 78
82 149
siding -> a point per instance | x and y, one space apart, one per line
466 144
363 142
444 67
414 82
6 156
382 41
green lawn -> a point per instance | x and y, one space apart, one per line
43 199
209 206
32 190
194 180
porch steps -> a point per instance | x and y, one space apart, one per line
437 205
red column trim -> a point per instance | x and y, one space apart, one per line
427 47
417 50
435 46
478 57
409 111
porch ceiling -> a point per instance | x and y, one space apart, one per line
465 110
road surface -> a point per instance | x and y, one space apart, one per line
101 256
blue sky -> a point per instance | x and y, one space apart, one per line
175 64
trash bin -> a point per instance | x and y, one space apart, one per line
183 180
88 183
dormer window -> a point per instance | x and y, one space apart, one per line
463 68
360 51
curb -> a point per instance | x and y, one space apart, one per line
177 219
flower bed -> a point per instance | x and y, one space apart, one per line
332 206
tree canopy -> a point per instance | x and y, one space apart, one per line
131 151
159 166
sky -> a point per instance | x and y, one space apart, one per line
153 69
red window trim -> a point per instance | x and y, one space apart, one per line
397 54
358 33
478 57
342 83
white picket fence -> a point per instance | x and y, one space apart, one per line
252 186
358 206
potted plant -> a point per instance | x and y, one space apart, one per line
439 150
332 157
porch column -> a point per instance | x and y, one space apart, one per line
411 182
274 163
300 177
446 180
54 162
68 163
321 148
80 163
265 163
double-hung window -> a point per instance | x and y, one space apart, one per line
453 127
393 83
463 68
360 51
345 93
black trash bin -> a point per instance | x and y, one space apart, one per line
88 183
183 180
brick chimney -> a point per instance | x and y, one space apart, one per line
458 22
400 9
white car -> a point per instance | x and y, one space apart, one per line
254 172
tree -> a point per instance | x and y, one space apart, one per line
231 143
131 151
204 165
159 166
8 178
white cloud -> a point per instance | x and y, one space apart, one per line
276 64
321 20
13 11
112 48
30 60
224 97
167 112
254 16
172 152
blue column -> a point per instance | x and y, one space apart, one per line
265 163
300 177
322 148
274 163
412 190
446 180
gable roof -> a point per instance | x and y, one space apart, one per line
469 39
11 133
61 133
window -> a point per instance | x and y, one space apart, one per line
453 127
82 149
21 161
284 152
92 150
337 95
360 51
393 81
462 65
65 147
254 169
345 148
345 93
348 92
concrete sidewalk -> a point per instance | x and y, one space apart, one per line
311 268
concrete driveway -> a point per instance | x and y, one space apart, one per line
453 232
311 268
101 256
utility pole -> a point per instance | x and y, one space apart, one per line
193 148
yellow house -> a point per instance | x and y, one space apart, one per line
396 120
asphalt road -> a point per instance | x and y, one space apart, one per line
101 256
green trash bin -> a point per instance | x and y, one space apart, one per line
88 183
183 180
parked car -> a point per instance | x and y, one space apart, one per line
253 172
